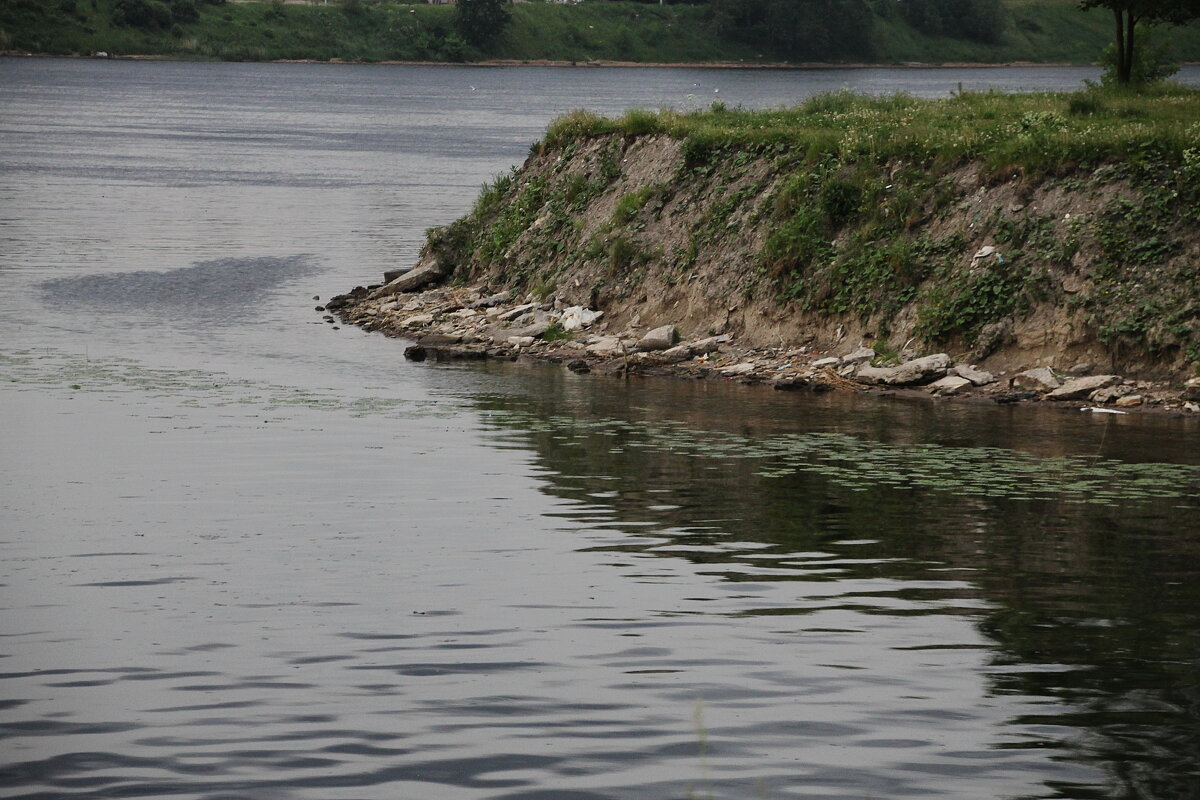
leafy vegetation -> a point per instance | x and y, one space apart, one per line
731 31
870 208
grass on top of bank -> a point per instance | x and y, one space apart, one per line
1038 133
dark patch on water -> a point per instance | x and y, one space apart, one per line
206 288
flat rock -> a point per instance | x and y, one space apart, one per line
428 270
1130 400
491 300
745 368
1110 394
977 377
1041 379
1079 388
661 338
862 355
439 340
950 385
514 312
910 373
417 320
832 361
606 346
1191 389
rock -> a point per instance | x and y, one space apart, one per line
985 251
439 340
991 337
1191 389
676 354
521 341
577 317
745 368
792 383
1079 388
822 363
428 270
464 313
910 373
862 355
1013 397
658 339
950 385
1110 394
535 330
1081 368
607 346
417 320
1041 379
491 300
391 274
415 353
1130 400
977 377
579 366
516 311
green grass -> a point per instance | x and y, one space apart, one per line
377 30
1037 133
855 205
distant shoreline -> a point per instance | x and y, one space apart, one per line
501 62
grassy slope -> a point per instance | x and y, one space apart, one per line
868 211
1045 30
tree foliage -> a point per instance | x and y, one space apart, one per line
977 20
480 21
1126 16
807 30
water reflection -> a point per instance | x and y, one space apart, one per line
1085 596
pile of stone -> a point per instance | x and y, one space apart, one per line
448 323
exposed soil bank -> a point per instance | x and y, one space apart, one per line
794 263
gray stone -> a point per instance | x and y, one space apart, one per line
910 373
745 368
1079 388
1041 379
950 385
978 377
535 330
428 270
1191 389
862 355
513 313
661 338
1110 394
832 361
418 319
492 300
607 346
521 341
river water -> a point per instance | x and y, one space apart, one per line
248 555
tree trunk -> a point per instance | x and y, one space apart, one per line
1124 48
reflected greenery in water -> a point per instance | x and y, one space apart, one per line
862 466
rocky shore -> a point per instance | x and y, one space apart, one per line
473 323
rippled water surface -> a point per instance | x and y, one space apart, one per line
248 555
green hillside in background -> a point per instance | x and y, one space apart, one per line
704 31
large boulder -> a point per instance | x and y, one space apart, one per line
662 338
910 373
429 269
1041 379
1079 388
1191 389
977 377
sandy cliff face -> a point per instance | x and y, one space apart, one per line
1008 271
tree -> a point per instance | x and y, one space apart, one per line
1128 13
480 21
